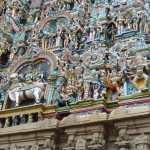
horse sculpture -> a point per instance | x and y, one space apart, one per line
18 92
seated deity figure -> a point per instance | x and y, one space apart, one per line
13 78
98 33
28 75
38 77
13 82
69 91
6 81
136 73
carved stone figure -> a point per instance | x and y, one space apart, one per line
79 87
142 142
49 144
26 148
14 147
123 142
97 143
35 147
81 144
70 145
127 22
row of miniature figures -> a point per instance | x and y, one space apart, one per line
123 142
76 32
76 83
101 84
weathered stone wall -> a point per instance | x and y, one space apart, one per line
122 129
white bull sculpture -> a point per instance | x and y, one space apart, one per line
34 91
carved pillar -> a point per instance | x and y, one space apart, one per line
26 148
47 91
23 119
14 147
15 121
30 118
40 117
7 122
13 12
142 142
70 145
50 89
1 105
51 142
1 123
123 141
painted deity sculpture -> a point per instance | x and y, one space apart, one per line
57 99
48 38
135 24
68 92
98 33
120 24
79 87
95 93
113 81
92 32
86 84
136 73
20 91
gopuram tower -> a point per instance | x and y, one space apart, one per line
74 74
